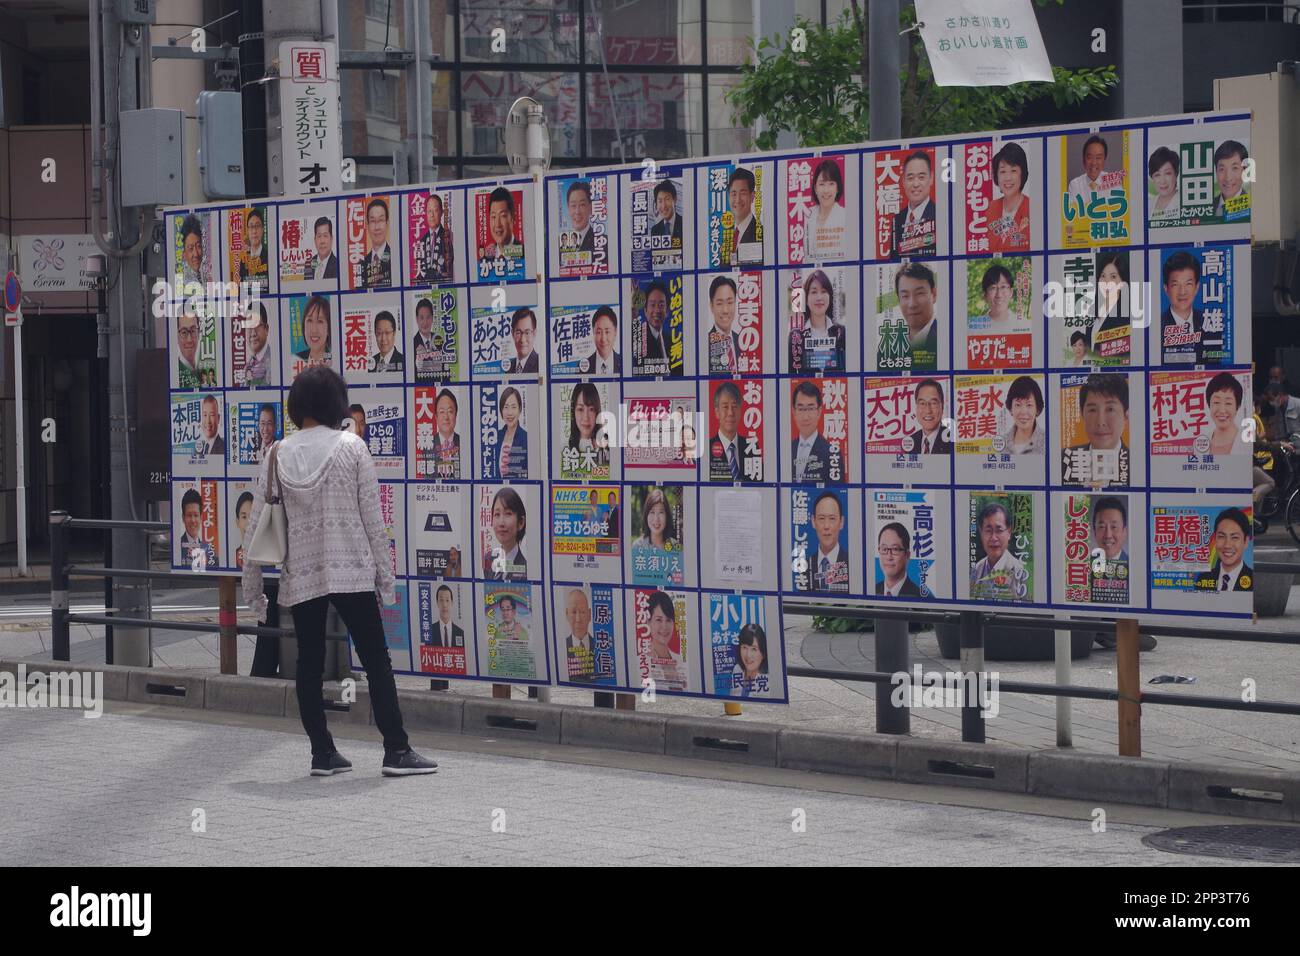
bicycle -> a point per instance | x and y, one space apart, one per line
1284 499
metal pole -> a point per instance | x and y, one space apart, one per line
885 119
59 585
972 666
1064 677
22 451
885 109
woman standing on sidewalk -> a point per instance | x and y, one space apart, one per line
337 553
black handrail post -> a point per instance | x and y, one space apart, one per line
59 585
892 653
971 631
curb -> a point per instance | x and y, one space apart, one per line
1203 788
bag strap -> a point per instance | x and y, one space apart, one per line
273 477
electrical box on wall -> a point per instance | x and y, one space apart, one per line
1274 102
153 172
136 11
221 144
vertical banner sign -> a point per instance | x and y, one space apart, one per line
311 132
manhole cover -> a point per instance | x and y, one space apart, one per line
1232 841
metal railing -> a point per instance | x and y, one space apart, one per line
1129 692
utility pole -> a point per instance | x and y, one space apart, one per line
121 51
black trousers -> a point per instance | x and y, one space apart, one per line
360 612
266 653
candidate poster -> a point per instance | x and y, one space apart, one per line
1095 551
254 362
819 533
248 259
819 430
440 416
583 233
740 662
1000 187
910 539
584 329
586 532
371 223
1001 429
1198 305
660 226
198 434
662 640
999 317
1096 198
506 448
443 623
906 217
307 248
504 333
1097 312
910 333
1000 546
381 421
582 446
657 327
818 305
254 423
1199 435
372 338
311 333
737 200
440 530
732 327
500 248
736 431
908 427
197 516
660 431
193 243
437 342
240 496
1199 178
820 220
587 651
1095 438
513 633
392 511
431 235
658 535
1202 553
397 630
507 552
195 348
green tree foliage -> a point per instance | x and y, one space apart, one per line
819 93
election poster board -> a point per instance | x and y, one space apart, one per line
620 414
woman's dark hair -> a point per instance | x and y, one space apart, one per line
659 599
1025 387
753 634
588 393
509 393
1013 154
323 304
1161 156
1224 382
819 276
320 393
656 496
830 170
1078 337
511 501
239 503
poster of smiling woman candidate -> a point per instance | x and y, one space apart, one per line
1198 179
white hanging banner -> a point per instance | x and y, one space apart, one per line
311 130
983 42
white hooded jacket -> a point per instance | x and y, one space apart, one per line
337 540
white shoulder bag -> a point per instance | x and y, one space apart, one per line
271 537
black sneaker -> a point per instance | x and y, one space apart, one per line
329 765
407 763
1108 641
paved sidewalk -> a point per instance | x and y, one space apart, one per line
125 789
1175 733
